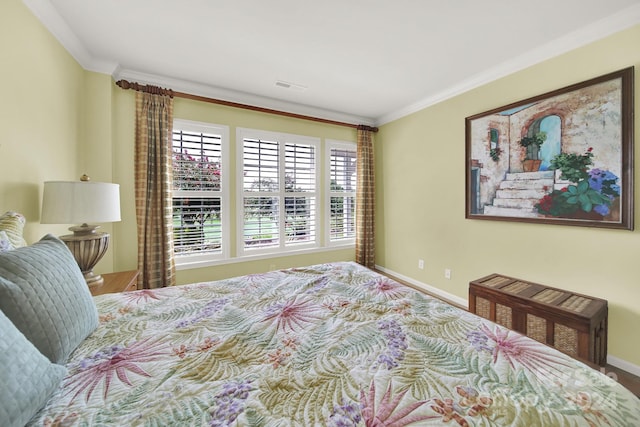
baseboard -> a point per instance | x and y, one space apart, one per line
456 300
624 365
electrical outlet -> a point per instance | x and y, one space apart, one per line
447 273
421 264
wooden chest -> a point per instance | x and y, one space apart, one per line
572 323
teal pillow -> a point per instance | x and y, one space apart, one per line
46 297
27 378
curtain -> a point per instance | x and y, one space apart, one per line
365 199
153 182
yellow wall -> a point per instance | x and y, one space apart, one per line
421 195
39 114
50 107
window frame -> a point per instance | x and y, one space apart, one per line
341 145
203 260
283 247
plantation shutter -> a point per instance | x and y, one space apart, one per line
300 188
197 198
279 193
261 185
342 171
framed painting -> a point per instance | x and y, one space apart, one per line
563 157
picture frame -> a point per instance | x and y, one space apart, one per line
564 157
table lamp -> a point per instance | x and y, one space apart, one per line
84 202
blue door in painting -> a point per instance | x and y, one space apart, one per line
552 126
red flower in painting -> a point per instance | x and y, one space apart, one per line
546 202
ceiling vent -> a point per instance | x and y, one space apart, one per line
292 86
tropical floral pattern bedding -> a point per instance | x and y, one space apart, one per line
327 345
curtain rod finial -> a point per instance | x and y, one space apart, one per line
369 128
156 90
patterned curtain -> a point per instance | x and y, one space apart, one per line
365 199
153 182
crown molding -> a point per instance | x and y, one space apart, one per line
591 33
52 21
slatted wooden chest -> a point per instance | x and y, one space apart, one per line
573 323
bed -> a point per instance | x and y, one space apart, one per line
325 345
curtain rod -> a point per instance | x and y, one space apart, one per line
171 93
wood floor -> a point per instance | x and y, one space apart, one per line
630 381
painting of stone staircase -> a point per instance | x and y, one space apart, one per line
519 192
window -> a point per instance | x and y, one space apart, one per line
494 147
341 215
200 191
278 193
494 134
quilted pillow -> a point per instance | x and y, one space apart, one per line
27 378
12 223
45 295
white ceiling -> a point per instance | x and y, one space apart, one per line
360 61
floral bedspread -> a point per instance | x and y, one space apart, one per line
326 345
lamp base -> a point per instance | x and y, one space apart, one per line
87 247
93 280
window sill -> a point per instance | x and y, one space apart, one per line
186 264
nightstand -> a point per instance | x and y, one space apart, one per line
122 281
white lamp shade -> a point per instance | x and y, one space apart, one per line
77 202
